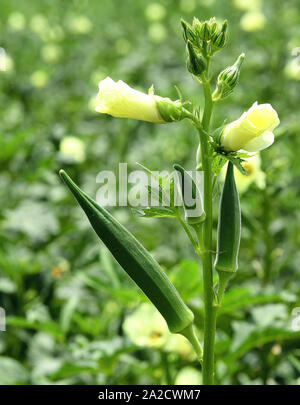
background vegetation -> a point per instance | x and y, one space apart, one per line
67 302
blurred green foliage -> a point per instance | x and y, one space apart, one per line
65 298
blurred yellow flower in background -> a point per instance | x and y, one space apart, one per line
39 78
157 32
80 24
16 21
292 69
155 12
146 327
253 21
180 345
247 4
187 5
51 52
72 148
188 376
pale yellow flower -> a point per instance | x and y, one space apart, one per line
254 174
188 376
120 100
252 132
146 327
179 344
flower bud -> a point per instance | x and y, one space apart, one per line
120 100
219 38
204 31
188 31
228 79
212 26
252 132
196 63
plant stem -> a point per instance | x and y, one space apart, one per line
189 333
165 361
209 307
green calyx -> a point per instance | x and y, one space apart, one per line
135 260
171 111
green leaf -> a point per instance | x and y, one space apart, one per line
260 337
47 326
154 212
186 278
237 163
217 164
238 298
163 189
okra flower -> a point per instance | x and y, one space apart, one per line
120 100
252 132
146 327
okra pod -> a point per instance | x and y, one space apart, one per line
229 226
136 261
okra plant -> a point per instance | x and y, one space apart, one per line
229 144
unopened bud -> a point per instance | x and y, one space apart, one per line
187 31
204 31
228 79
219 38
196 63
212 26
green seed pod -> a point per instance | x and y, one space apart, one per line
192 200
229 226
228 79
196 63
136 261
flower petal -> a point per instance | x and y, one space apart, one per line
260 142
